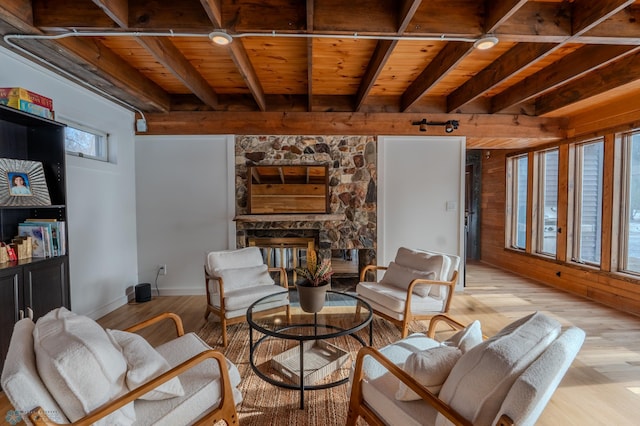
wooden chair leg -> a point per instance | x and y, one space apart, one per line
223 324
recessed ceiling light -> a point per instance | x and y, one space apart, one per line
485 43
220 37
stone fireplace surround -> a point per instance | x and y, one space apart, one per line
352 222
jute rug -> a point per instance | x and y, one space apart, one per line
266 404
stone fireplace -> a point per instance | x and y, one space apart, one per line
348 232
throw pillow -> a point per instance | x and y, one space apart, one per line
466 338
424 261
240 258
80 366
145 363
401 276
480 380
430 368
237 278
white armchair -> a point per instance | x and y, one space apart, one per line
68 369
234 279
417 285
505 380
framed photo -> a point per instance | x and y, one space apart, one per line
22 183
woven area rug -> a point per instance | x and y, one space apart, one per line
266 404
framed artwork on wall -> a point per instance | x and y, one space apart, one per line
23 183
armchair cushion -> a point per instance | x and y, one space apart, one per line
391 300
430 368
20 381
80 365
230 259
143 364
466 338
401 276
239 278
202 385
481 378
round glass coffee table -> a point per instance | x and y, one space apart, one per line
321 343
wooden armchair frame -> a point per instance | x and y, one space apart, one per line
226 410
221 310
358 407
409 316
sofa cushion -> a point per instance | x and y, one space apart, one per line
80 365
401 276
237 278
229 259
430 368
481 378
143 364
20 381
466 338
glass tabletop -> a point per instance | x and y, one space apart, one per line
342 313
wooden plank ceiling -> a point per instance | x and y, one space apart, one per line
348 67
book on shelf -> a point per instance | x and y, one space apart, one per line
39 239
57 231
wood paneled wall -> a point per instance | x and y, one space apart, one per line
615 290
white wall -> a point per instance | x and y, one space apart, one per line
185 204
100 196
421 195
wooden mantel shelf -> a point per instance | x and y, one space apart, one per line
289 217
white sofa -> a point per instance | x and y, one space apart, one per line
505 380
415 286
68 369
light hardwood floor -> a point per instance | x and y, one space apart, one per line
602 387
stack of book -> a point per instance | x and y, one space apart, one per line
28 101
47 236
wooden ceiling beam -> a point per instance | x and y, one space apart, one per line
117 10
173 60
572 66
616 74
509 64
238 55
349 123
383 51
213 9
445 60
93 65
587 14
165 53
498 12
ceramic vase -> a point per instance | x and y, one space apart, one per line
312 298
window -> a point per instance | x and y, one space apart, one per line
630 208
517 201
587 219
548 201
86 143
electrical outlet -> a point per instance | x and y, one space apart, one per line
163 269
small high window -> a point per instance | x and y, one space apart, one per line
86 143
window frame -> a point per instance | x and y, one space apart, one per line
576 212
539 195
513 181
102 145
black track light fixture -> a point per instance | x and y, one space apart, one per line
449 125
